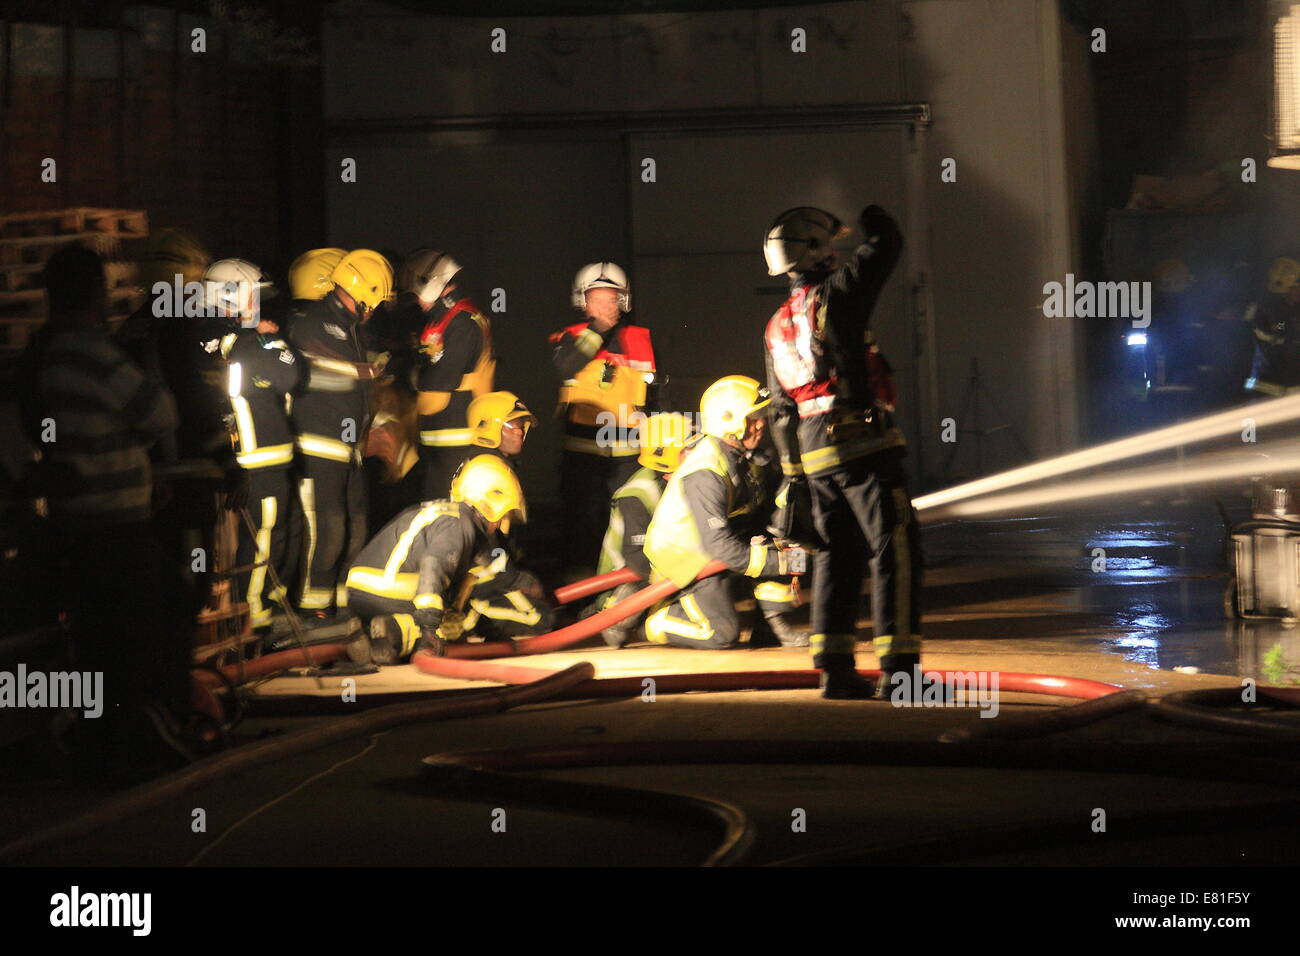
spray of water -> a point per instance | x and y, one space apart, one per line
1213 426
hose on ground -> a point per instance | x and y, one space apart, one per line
495 773
271 663
597 585
556 640
257 754
1208 709
459 777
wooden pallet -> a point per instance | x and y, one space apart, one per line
80 219
28 239
38 249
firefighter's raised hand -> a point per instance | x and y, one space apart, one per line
875 222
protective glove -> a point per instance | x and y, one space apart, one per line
792 519
452 627
875 222
791 560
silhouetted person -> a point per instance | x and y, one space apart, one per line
94 415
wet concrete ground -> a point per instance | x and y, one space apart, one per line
1011 595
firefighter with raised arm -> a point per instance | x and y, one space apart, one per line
607 365
714 508
838 443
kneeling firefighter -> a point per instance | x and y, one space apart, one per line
838 443
662 438
413 581
499 423
708 512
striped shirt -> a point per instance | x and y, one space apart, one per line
102 415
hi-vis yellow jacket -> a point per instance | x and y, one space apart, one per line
700 516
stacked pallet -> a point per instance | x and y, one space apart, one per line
28 239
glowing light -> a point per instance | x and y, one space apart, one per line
1218 425
1137 338
1282 457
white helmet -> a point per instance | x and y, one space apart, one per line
601 275
799 240
235 288
427 273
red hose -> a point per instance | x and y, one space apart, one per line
544 643
1010 682
279 661
601 582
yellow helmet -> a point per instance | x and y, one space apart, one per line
662 438
169 252
365 275
1283 275
489 486
728 402
310 275
490 412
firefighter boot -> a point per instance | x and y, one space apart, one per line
385 640
841 680
616 635
789 637
900 678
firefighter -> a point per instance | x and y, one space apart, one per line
712 506
413 582
837 443
1276 320
310 276
262 374
458 363
499 421
606 362
177 347
330 417
662 438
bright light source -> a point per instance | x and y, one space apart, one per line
1137 338
1286 88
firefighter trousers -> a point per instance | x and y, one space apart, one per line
494 617
275 516
704 614
333 496
587 482
867 500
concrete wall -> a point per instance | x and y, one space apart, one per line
534 189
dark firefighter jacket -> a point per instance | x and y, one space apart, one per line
817 359
425 555
263 374
331 412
